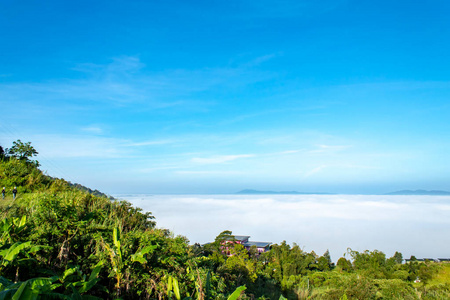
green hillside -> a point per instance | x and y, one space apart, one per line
58 241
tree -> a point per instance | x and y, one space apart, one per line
324 262
425 273
238 267
371 263
398 257
223 241
22 150
224 236
344 265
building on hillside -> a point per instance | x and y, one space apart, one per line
244 241
407 260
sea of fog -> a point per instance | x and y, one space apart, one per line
413 225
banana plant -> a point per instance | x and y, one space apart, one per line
9 230
173 289
115 257
39 288
34 288
43 288
120 263
73 279
11 227
139 255
10 255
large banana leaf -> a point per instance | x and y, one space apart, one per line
12 252
237 293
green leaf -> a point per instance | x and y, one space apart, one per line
138 258
25 292
86 286
148 249
4 281
68 273
96 271
169 285
6 295
37 248
75 295
93 279
48 296
116 237
89 297
10 254
5 225
20 223
116 241
237 293
41 282
282 298
139 255
208 285
176 290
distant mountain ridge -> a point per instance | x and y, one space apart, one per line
256 192
420 192
402 192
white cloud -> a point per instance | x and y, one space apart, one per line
316 222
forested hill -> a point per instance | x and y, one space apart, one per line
60 242
90 191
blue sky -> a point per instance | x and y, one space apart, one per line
219 96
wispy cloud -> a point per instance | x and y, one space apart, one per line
78 146
208 172
219 159
149 143
158 168
92 129
314 171
126 82
289 152
342 168
259 60
330 148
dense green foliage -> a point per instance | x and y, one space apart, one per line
60 242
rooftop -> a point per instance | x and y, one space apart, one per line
257 244
241 237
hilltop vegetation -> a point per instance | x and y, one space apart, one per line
60 242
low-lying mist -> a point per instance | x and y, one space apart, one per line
412 225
